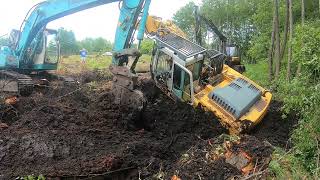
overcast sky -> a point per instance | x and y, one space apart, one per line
97 22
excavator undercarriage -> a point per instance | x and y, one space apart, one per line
15 83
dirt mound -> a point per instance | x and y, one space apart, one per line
73 131
80 132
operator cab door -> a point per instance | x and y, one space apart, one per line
182 83
47 52
171 77
162 69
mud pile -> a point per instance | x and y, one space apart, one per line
78 131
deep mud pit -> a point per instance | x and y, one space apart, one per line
72 132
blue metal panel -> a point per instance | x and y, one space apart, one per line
130 11
237 98
42 67
143 21
7 58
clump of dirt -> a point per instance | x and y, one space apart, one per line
90 76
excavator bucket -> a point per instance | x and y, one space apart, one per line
125 82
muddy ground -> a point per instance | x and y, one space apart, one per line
78 131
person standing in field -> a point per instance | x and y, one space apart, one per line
83 55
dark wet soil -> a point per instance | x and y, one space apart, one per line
76 131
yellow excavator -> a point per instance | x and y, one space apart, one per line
188 72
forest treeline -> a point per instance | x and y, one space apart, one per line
69 45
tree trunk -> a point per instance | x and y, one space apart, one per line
290 40
277 40
285 36
302 12
302 22
270 56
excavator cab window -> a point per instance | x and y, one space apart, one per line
232 51
196 70
52 47
182 83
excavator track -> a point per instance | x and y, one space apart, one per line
16 83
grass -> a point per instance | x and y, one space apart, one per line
72 64
258 73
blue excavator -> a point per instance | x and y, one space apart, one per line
183 70
28 52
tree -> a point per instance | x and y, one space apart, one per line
270 57
290 39
302 23
285 36
95 45
277 39
146 46
100 45
68 43
184 18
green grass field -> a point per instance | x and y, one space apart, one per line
72 64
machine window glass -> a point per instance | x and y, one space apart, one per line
52 49
196 71
186 95
177 77
164 62
231 51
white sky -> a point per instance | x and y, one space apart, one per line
97 22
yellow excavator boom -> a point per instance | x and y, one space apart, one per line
155 25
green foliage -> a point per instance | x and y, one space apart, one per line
68 42
306 48
95 45
248 23
69 45
304 99
259 47
301 96
184 18
146 46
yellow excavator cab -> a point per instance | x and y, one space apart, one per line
190 73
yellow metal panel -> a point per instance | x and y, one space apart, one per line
247 121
